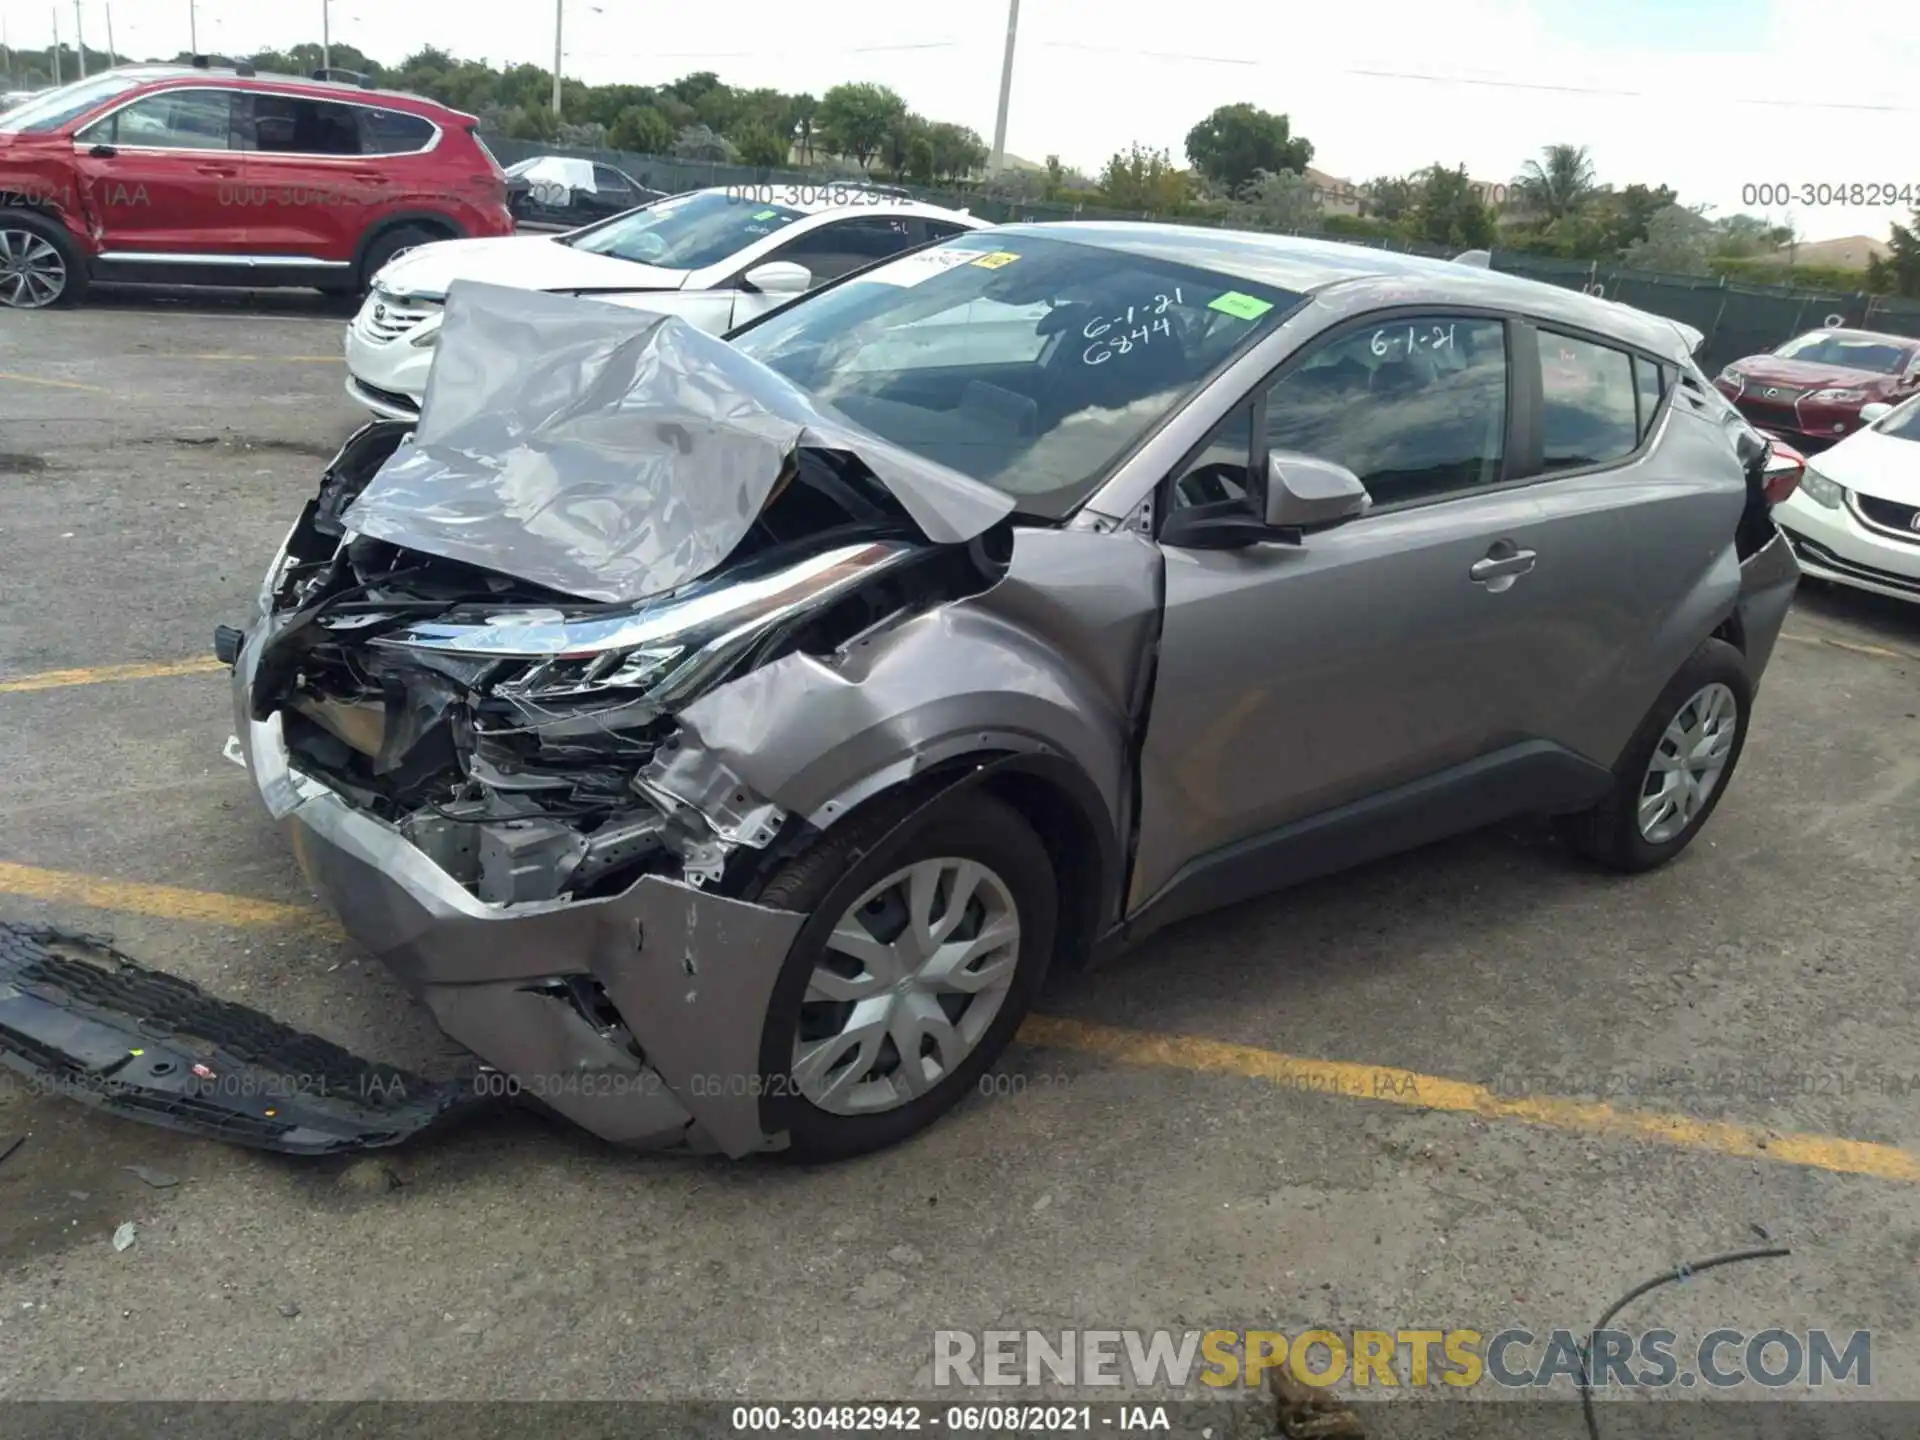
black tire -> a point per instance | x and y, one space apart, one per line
55 234
389 244
824 881
1610 832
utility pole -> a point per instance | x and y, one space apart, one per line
56 45
326 38
113 57
558 7
193 31
79 40
999 161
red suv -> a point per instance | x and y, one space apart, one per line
218 176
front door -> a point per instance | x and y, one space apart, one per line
162 176
1297 679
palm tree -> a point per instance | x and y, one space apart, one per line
1556 185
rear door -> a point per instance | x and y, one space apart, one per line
308 181
1633 523
162 175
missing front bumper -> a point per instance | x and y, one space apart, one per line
81 1021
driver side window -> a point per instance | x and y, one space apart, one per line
1415 406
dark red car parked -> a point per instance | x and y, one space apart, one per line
205 175
1810 389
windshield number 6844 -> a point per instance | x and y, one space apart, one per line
1137 327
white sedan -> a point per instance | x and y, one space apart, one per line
1855 517
715 257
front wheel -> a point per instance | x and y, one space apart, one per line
39 263
915 967
390 247
1675 769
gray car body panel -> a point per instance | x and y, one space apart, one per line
614 455
1208 701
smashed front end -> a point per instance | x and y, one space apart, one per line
462 687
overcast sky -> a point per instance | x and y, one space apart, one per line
1709 96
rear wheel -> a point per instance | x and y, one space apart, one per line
1675 769
915 968
39 263
390 246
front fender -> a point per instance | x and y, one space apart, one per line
1050 660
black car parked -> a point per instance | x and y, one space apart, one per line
564 192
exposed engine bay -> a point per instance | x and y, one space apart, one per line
524 739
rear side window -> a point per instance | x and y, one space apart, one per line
394 132
169 120
295 125
1651 380
1590 403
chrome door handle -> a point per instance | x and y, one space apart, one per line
1498 567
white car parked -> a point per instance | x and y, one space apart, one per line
1855 517
715 257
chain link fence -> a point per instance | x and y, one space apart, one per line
1737 318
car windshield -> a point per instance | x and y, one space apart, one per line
1902 424
51 109
690 232
1033 365
1853 353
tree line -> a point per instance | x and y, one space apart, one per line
1245 166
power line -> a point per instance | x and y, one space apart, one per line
1497 84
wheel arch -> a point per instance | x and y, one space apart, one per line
445 226
1053 795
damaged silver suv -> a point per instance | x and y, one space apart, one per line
724 738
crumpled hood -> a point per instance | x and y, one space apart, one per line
528 262
613 454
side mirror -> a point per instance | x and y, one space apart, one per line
780 277
1305 492
1878 410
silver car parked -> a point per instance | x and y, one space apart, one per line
724 738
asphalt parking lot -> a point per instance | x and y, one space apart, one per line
1568 1082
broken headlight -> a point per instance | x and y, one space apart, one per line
568 677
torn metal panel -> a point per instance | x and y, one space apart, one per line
612 454
1047 659
90 1024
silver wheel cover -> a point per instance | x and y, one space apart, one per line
1688 763
910 980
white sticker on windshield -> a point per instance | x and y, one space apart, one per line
918 268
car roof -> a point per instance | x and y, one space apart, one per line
1306 267
300 84
818 199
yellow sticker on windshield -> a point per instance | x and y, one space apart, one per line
996 259
766 214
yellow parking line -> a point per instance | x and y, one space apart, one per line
1433 1092
1346 1079
57 384
164 902
1878 652
99 674
284 359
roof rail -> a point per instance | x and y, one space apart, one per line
222 62
334 72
